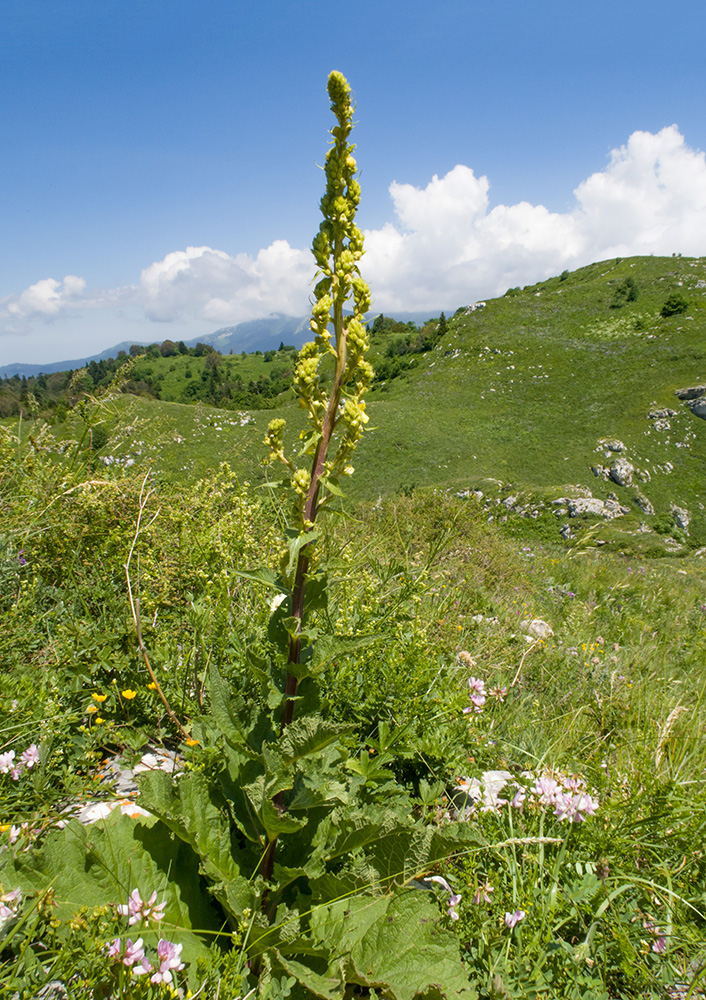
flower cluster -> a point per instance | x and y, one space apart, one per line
26 761
565 794
132 954
137 909
336 415
133 957
479 694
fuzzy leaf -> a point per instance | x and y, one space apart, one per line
396 944
328 987
308 736
329 647
189 810
101 864
296 543
263 575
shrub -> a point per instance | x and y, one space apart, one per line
674 304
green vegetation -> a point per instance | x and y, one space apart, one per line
433 742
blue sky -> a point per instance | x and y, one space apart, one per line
499 141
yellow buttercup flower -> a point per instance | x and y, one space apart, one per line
99 697
152 686
192 743
99 721
129 694
91 708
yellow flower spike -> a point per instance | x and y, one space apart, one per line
129 694
99 697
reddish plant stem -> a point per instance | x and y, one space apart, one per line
311 508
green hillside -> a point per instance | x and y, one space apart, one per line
523 390
513 401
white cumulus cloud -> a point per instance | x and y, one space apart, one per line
203 283
448 245
46 297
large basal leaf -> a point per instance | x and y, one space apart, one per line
400 855
396 945
103 863
188 809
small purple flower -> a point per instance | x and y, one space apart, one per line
454 898
30 756
20 558
6 761
169 955
114 949
481 895
512 919
519 799
546 790
478 694
659 944
137 909
133 952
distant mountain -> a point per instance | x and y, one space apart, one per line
257 335
253 335
7 371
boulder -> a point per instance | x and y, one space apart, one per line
643 503
621 472
611 444
691 393
681 516
698 408
596 508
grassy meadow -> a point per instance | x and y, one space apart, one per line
502 791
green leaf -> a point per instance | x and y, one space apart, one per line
263 575
260 793
331 486
188 808
316 594
223 708
283 875
329 647
328 987
307 736
101 864
296 543
394 943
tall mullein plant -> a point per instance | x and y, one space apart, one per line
336 418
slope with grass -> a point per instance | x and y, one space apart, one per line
520 399
525 388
